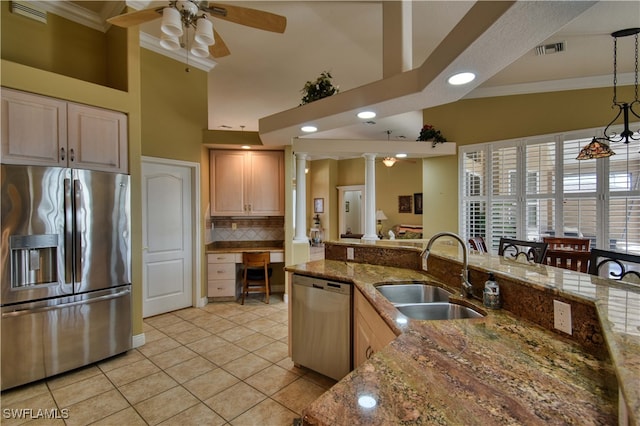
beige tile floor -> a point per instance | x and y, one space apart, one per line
223 364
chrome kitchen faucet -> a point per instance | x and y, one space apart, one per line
467 288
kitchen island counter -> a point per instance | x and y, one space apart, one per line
496 369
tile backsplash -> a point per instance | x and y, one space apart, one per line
254 229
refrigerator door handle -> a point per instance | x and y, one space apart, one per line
68 232
65 305
77 206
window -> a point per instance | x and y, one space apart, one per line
534 187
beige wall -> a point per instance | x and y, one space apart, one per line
174 115
64 47
501 118
404 178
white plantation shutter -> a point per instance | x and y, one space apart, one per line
474 193
580 199
532 188
540 189
624 198
505 188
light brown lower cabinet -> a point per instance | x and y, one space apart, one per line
371 333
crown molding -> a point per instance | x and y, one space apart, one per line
153 43
82 16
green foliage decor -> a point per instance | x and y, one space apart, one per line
429 133
321 88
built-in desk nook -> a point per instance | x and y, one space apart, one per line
224 270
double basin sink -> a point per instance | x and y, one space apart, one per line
422 301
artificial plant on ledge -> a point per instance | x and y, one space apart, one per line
321 88
429 133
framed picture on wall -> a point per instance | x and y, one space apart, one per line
404 204
318 205
417 202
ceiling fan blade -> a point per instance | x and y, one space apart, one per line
138 17
219 49
250 17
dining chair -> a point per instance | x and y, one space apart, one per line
573 243
532 251
568 253
573 260
615 265
256 274
478 244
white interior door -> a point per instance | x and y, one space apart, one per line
167 234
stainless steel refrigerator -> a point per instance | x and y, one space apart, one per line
66 270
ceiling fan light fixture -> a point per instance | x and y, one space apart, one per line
171 22
169 42
204 31
389 161
200 50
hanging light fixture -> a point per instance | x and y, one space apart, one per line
598 147
389 161
177 18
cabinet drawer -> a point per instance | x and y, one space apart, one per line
276 257
223 258
221 271
221 288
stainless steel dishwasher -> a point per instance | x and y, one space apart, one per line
321 325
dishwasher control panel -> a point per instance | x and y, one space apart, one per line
322 284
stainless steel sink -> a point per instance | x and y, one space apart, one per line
413 293
437 311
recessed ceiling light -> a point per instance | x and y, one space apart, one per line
461 78
245 147
366 114
309 129
401 155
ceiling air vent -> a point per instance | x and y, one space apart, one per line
29 10
547 49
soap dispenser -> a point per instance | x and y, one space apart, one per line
491 294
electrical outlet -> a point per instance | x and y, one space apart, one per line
350 253
234 226
562 316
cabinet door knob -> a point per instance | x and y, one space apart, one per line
72 155
62 154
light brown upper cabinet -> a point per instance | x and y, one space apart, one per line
42 131
247 183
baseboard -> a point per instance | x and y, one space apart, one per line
202 302
137 340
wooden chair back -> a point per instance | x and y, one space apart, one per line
532 251
569 259
615 265
255 277
478 244
577 244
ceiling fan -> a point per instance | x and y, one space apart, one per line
192 14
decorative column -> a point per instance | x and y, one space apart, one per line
301 197
370 197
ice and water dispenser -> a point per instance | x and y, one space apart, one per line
33 259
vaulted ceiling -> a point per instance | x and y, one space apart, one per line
265 72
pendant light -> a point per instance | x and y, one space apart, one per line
599 147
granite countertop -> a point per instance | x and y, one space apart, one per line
496 369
